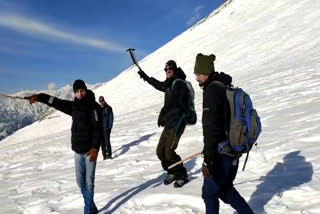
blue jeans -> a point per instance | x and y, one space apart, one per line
220 185
85 174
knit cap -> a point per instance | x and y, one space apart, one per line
204 64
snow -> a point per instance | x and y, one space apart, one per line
272 52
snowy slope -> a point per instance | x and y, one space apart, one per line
270 49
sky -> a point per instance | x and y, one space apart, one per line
55 42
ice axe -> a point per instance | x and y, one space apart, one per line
13 97
133 57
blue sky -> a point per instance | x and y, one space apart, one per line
45 41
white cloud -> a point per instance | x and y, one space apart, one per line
36 28
51 86
195 15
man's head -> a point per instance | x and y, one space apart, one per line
201 78
102 102
170 68
203 67
80 89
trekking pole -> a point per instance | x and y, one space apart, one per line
245 162
13 97
187 158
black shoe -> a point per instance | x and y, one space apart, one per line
107 157
169 179
180 182
94 210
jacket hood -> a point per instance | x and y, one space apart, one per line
179 73
221 77
90 96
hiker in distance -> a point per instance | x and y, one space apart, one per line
171 118
107 121
219 170
86 134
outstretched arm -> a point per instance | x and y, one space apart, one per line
62 105
152 81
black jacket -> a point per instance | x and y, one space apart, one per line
86 130
107 117
175 100
215 112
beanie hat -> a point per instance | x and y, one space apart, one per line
172 64
204 64
79 84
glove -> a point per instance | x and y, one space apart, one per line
161 123
143 75
206 171
93 154
32 99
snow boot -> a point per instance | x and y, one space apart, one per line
180 182
107 157
94 210
169 179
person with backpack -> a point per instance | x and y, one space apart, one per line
107 120
86 134
219 169
171 117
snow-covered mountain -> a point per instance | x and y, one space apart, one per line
16 113
272 51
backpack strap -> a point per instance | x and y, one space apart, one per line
94 111
179 124
182 106
218 83
175 81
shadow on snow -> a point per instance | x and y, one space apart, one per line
129 194
127 147
293 172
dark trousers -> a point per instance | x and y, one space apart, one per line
166 151
220 186
105 145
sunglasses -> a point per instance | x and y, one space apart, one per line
168 69
101 101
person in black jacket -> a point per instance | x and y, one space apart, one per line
86 134
219 170
171 118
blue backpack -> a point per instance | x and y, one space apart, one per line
245 125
